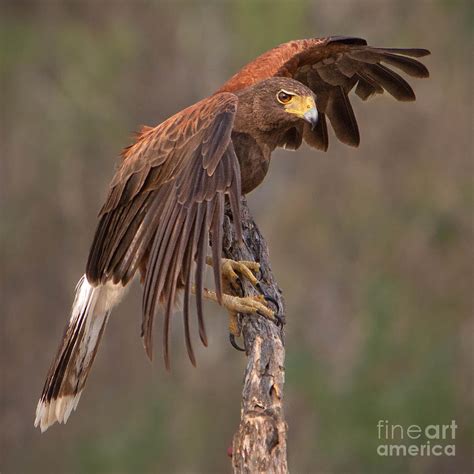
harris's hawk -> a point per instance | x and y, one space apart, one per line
165 206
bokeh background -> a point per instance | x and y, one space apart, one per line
372 246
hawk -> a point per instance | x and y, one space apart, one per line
165 205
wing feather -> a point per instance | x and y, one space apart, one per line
165 206
390 81
332 67
187 291
200 238
216 241
342 118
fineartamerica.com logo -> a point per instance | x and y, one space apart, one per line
430 440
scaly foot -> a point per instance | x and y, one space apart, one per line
242 304
232 272
239 304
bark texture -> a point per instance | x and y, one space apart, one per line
259 445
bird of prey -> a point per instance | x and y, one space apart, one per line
165 205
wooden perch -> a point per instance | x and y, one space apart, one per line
259 445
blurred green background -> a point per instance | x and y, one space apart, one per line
372 246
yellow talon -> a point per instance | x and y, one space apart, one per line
232 270
234 324
242 304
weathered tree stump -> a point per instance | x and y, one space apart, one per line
259 444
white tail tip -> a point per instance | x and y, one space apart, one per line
59 410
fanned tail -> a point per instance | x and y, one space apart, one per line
70 368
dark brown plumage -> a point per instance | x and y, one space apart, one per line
166 200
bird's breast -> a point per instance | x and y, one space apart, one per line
254 161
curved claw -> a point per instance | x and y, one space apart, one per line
280 320
234 344
272 300
268 297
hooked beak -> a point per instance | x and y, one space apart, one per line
311 116
304 107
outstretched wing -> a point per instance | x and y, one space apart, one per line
332 67
165 204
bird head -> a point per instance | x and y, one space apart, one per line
281 101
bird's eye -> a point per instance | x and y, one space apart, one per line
284 98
